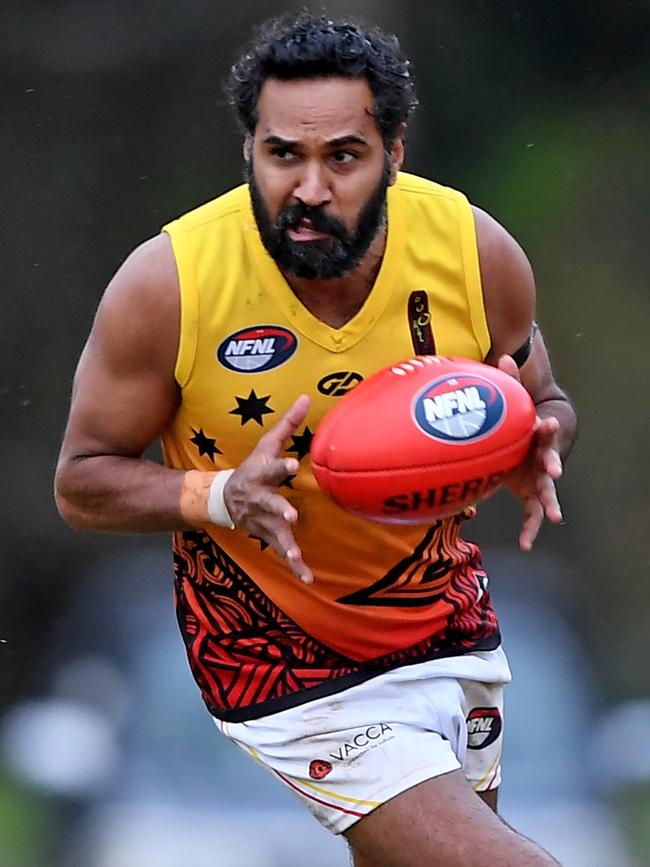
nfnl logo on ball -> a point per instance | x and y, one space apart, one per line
253 350
459 409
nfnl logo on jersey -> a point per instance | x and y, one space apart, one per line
254 350
459 409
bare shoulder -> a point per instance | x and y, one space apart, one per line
138 318
508 284
124 389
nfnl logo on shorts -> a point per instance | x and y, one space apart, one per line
459 409
483 727
254 350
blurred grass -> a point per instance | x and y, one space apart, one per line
633 808
28 825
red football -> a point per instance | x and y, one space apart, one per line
422 439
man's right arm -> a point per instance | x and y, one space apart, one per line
124 395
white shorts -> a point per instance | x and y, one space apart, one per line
348 753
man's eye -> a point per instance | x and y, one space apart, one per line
283 153
343 158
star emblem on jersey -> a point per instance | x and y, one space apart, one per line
252 408
206 445
263 543
301 443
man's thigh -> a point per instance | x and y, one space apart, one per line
440 823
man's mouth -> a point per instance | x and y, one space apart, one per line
305 231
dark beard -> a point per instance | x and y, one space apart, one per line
322 259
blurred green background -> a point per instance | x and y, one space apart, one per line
113 122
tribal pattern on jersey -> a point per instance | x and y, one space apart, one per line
422 578
250 659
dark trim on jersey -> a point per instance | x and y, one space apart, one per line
332 687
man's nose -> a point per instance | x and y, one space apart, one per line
313 187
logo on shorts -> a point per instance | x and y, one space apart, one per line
459 409
254 350
483 727
319 768
361 741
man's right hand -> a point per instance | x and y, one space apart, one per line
251 494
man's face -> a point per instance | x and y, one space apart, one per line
318 174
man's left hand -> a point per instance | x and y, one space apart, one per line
533 481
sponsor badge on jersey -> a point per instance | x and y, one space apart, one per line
459 409
257 349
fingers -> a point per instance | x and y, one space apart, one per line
253 501
548 499
545 442
276 471
270 518
508 365
285 545
533 517
271 443
545 429
275 528
544 505
257 509
552 463
271 507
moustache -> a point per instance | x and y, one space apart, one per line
293 215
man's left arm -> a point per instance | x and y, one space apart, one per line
509 296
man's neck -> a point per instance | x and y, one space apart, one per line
336 301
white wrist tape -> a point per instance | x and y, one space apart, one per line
217 511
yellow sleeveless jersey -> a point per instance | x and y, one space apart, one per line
258 639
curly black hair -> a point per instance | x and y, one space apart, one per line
315 46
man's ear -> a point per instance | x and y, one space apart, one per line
248 148
396 156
